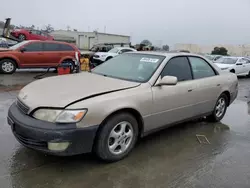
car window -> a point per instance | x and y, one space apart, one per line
44 34
216 58
34 47
51 47
179 67
65 47
125 50
36 32
245 61
201 68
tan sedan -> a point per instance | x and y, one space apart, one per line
129 96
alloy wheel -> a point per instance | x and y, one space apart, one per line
120 138
220 107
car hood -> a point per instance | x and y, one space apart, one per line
221 65
60 91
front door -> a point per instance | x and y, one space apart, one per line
33 55
172 104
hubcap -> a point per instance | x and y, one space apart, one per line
7 66
120 138
220 107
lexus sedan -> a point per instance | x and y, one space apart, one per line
106 110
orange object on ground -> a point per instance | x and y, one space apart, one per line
63 70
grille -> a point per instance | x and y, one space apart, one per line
31 142
24 108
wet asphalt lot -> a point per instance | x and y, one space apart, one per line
170 158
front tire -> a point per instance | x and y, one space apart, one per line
219 109
7 66
117 137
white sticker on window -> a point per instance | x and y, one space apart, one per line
149 60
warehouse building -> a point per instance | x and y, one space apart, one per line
85 40
233 50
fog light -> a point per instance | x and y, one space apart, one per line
61 146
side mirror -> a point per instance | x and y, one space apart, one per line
120 52
239 64
23 50
30 32
167 80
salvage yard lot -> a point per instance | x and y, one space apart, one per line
171 158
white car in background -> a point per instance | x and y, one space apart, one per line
104 56
238 65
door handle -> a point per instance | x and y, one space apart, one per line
218 85
190 90
39 53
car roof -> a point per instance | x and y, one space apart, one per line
50 41
167 54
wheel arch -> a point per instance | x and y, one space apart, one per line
11 58
135 113
227 93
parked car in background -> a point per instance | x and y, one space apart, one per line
123 99
36 54
24 34
238 65
101 57
213 57
3 43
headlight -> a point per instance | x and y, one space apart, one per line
60 116
225 68
103 55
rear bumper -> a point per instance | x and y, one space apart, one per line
36 134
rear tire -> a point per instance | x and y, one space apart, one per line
219 109
117 137
7 66
21 37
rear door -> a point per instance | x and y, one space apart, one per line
208 85
66 50
33 55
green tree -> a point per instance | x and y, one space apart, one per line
165 47
146 43
219 51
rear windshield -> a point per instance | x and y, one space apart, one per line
130 66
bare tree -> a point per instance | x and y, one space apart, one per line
49 28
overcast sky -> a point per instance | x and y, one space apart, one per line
160 21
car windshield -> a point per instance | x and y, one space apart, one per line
131 67
114 50
16 46
209 57
227 60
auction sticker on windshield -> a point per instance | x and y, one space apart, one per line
149 60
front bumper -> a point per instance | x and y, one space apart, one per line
36 134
